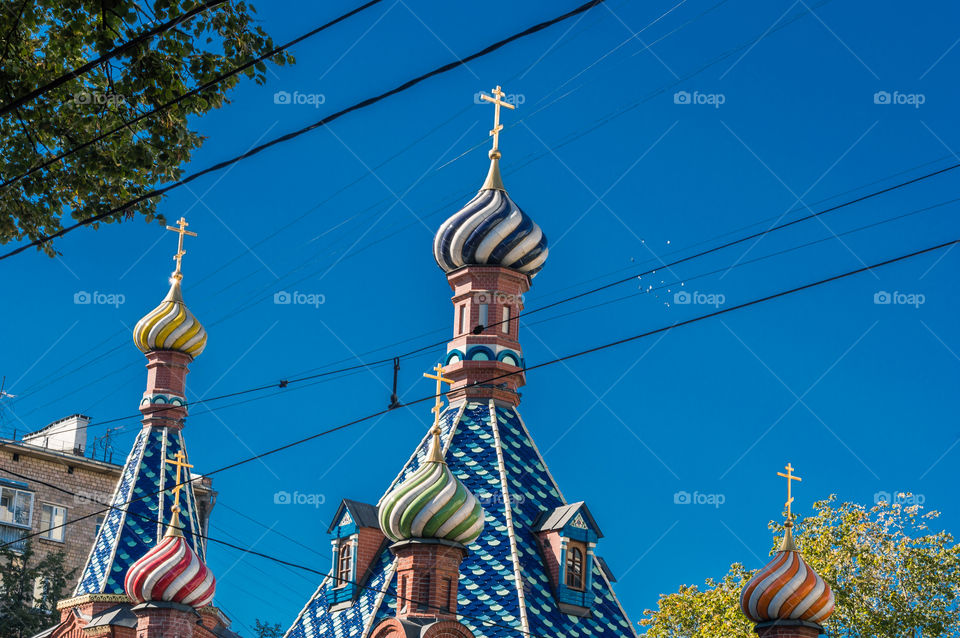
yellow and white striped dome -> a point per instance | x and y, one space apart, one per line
171 326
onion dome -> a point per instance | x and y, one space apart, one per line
171 326
491 230
171 572
787 589
432 503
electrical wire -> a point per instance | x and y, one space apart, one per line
617 282
544 364
126 46
294 134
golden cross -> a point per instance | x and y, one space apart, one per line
497 102
182 230
790 478
438 405
180 461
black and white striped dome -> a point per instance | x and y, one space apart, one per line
491 230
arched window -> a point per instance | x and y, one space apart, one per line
574 574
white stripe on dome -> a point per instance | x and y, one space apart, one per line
463 233
804 605
435 505
536 263
787 590
762 585
526 245
498 234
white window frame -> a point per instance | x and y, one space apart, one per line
54 531
14 493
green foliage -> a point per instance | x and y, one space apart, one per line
890 574
43 39
266 630
21 616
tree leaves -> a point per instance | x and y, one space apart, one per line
890 575
43 39
21 615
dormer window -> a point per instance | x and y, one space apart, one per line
356 541
568 535
344 562
574 575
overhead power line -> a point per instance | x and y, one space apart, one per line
544 364
284 383
180 98
322 122
126 46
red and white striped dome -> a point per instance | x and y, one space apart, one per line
171 572
787 589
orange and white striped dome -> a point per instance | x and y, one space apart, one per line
787 589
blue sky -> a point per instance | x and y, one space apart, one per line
857 395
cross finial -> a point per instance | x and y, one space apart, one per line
180 228
497 101
790 479
180 461
435 454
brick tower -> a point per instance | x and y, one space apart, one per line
490 250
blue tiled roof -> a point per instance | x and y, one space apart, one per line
127 532
489 449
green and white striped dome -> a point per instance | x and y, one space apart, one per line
432 503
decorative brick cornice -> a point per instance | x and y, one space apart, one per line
92 598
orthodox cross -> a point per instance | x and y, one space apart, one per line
182 230
438 404
180 461
497 101
790 478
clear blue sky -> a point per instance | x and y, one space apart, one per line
858 396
